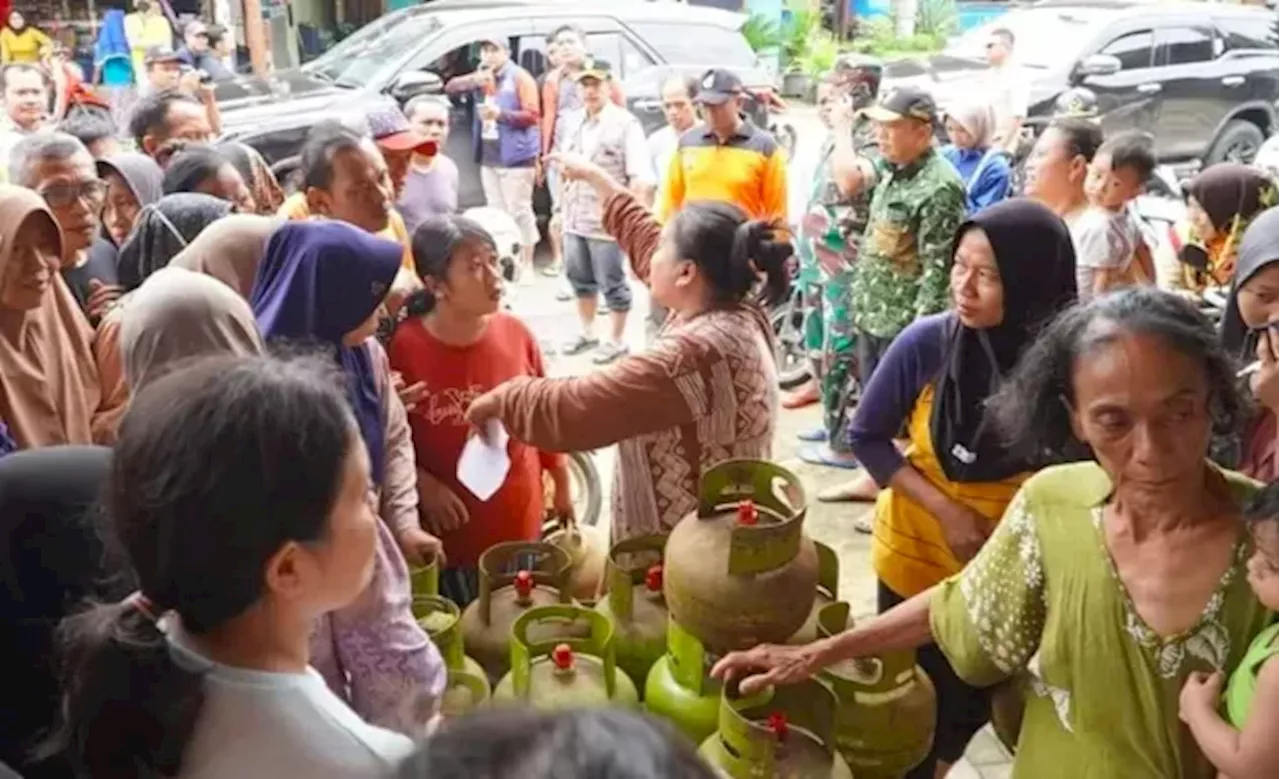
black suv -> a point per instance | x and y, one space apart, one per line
1200 77
413 51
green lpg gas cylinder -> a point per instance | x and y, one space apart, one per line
827 593
736 568
679 687
635 604
440 618
504 595
587 551
564 673
885 721
780 733
425 579
463 692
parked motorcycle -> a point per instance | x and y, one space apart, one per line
782 130
790 355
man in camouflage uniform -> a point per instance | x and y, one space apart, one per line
916 207
830 233
904 259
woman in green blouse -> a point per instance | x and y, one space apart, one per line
1108 581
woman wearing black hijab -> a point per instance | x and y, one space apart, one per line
53 560
1249 332
1013 269
165 228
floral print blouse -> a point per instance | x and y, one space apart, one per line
1042 603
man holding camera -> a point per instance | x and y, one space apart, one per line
197 54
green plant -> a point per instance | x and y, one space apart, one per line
937 19
803 25
821 55
762 33
878 37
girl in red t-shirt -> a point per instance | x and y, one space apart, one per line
458 345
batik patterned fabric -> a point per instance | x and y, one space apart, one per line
705 392
1043 604
905 252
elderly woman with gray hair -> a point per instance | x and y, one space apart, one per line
983 168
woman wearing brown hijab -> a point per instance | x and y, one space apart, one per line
50 390
179 315
229 250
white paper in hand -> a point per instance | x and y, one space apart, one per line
483 465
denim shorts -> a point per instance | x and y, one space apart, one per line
594 265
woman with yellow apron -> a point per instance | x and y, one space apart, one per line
1014 268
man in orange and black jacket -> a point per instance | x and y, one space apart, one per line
726 157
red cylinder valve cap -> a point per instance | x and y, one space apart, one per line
748 514
653 578
777 722
524 583
562 656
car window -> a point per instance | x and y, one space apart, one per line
696 44
618 51
360 56
1133 50
1187 45
461 47
533 54
1044 38
1260 33
456 62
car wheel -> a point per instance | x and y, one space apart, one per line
1239 142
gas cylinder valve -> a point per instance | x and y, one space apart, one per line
777 723
524 583
653 578
562 657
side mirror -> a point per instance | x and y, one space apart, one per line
412 83
1098 65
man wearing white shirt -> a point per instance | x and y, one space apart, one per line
1009 91
26 103
677 104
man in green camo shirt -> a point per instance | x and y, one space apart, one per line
830 235
904 262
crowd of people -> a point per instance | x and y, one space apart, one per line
1066 456
232 418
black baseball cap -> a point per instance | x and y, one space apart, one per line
905 103
597 69
718 85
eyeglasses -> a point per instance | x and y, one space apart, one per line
64 195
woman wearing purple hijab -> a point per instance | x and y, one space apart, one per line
322 283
